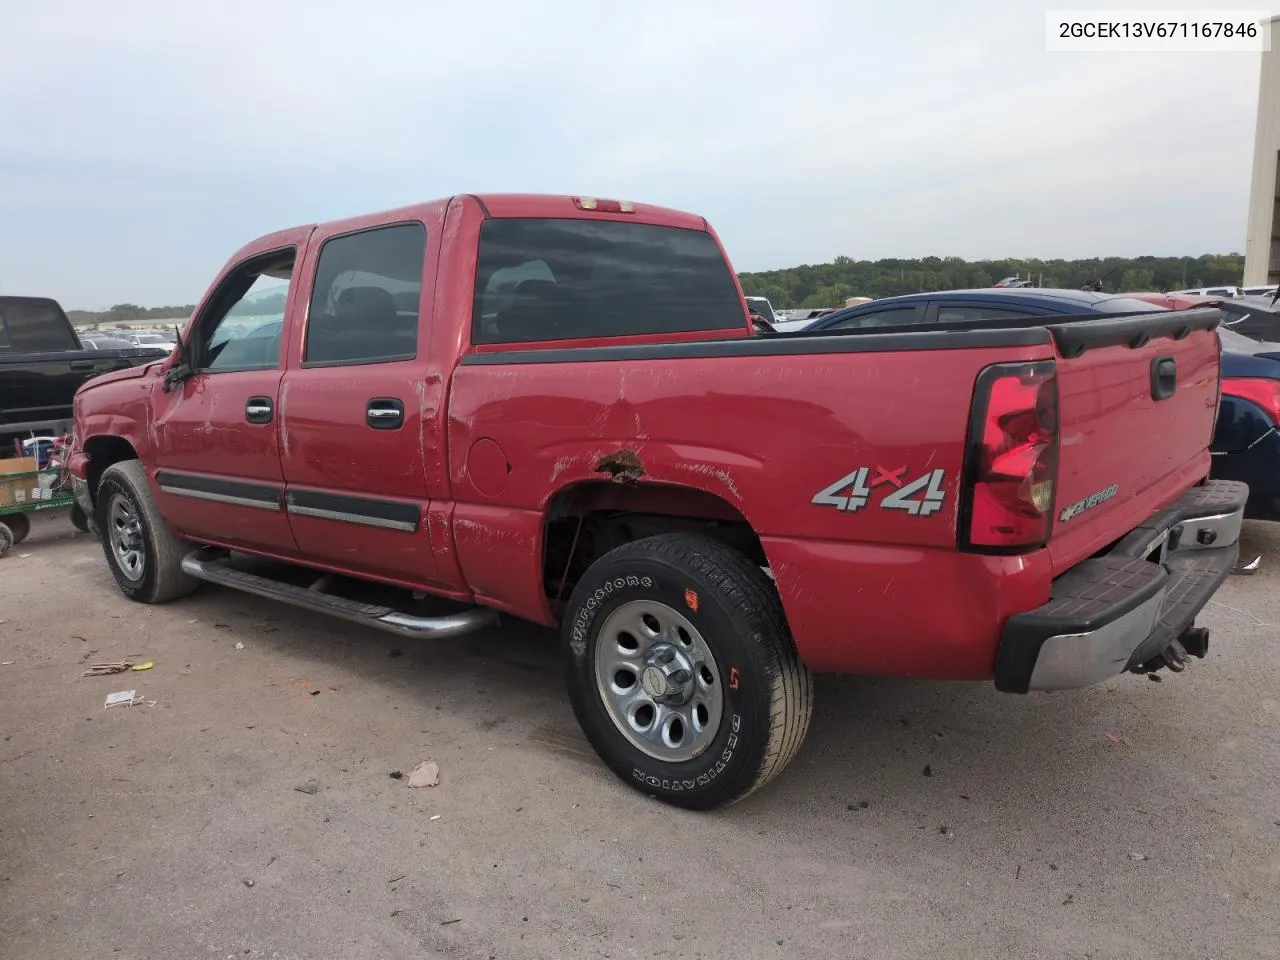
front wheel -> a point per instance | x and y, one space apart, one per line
144 556
682 671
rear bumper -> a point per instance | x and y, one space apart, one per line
1117 611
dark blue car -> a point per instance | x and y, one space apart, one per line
1246 444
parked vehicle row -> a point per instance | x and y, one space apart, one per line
556 408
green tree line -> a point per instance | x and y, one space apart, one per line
130 312
266 305
829 284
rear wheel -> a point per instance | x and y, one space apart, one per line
682 672
6 539
19 525
144 556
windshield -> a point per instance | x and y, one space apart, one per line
761 306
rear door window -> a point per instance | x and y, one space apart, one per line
364 302
885 317
546 280
968 312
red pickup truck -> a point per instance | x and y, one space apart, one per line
556 408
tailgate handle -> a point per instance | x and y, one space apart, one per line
1164 378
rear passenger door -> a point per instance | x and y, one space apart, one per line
352 405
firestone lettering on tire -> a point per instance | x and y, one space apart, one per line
578 641
675 786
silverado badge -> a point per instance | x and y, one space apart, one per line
1088 503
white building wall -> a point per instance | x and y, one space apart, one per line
1262 242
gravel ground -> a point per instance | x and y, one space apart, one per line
1132 820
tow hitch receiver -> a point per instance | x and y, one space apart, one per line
1194 642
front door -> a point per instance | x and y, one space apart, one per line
217 434
353 407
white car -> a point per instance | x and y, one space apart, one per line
151 340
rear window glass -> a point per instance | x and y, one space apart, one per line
567 279
33 325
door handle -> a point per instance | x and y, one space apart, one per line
384 413
259 410
1164 378
81 364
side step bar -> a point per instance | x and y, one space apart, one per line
215 568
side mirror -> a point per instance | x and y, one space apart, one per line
181 370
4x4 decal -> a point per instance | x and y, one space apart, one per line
920 497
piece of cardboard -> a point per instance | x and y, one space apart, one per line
17 465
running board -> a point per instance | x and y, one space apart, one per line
215 568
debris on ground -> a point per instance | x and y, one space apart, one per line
107 669
395 652
247 883
927 771
1115 738
123 697
425 774
436 817
143 666
397 879
310 787
397 775
239 645
445 923
1137 856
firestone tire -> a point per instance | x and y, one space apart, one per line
144 556
668 603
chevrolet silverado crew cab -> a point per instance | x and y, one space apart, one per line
554 408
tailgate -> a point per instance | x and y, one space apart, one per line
1137 403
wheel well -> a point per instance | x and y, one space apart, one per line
587 520
102 453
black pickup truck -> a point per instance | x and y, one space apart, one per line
43 363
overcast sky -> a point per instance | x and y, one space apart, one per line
143 141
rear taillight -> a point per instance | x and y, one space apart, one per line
1264 393
1011 464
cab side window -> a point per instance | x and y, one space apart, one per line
240 328
364 302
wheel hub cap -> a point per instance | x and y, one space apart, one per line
124 532
658 680
669 676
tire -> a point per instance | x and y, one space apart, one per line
19 525
78 518
144 556
6 539
721 620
